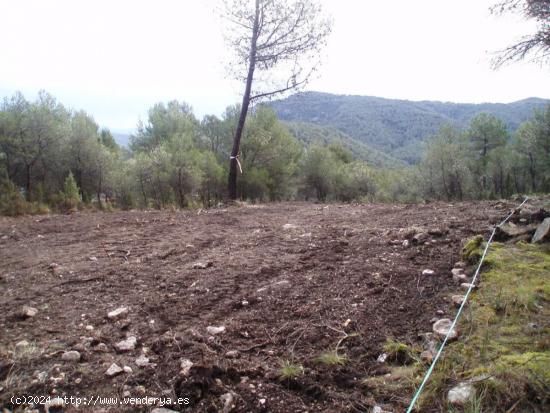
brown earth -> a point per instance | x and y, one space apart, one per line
283 294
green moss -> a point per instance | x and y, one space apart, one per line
471 252
399 352
505 344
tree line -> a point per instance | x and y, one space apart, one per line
53 158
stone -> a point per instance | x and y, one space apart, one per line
28 312
466 286
543 232
461 394
162 410
213 330
21 345
378 409
511 230
118 313
440 312
289 226
457 271
202 265
420 238
457 300
405 243
227 400
93 259
427 356
71 356
102 347
443 327
232 354
460 278
142 361
127 369
55 403
113 370
460 264
428 272
185 366
382 358
126 345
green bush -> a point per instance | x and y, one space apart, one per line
12 202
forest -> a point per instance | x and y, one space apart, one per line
56 159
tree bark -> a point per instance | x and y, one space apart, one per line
232 182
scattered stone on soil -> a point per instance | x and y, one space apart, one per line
443 327
543 232
126 345
461 394
113 370
185 366
142 361
428 272
227 400
118 313
70 356
457 300
213 330
55 403
28 312
202 265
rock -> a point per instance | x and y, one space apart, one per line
227 400
289 226
382 358
466 286
511 230
428 272
93 259
118 313
461 394
113 370
443 327
202 265
543 232
89 327
126 345
21 345
275 286
102 347
460 278
420 238
185 366
127 369
378 409
440 312
70 356
232 354
405 243
460 264
438 232
142 361
457 271
457 300
427 356
55 403
162 410
27 312
213 330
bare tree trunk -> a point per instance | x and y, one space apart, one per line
232 183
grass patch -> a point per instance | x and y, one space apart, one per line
290 370
399 352
331 358
505 345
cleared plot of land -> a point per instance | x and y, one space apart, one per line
287 281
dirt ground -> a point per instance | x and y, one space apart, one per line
284 293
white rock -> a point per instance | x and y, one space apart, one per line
428 272
126 345
289 226
21 345
442 327
119 312
113 370
89 327
461 394
28 312
227 400
466 286
185 366
457 300
56 403
162 410
460 278
142 361
456 271
213 330
382 358
202 265
70 356
232 354
127 369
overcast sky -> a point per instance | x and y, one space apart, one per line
115 59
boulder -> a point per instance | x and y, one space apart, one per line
542 232
443 327
511 230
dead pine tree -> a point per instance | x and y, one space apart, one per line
277 46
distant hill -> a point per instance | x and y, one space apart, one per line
396 128
122 138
